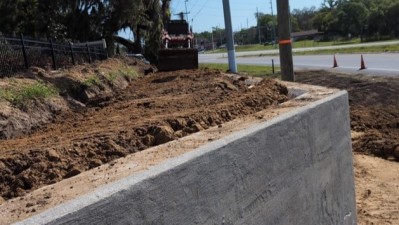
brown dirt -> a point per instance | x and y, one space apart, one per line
375 132
374 109
377 190
152 110
110 122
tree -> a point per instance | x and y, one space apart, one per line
86 20
304 17
331 4
352 16
393 19
267 23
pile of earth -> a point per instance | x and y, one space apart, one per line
374 109
118 120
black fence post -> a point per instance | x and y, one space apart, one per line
88 52
53 55
71 49
24 52
273 65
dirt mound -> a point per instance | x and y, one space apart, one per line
374 109
83 84
152 110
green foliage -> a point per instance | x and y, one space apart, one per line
359 17
20 94
85 20
92 81
304 17
128 72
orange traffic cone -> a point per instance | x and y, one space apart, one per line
335 62
362 64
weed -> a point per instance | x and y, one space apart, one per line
92 81
111 76
129 72
20 94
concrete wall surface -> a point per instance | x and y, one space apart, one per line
294 169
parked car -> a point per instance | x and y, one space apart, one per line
269 43
140 57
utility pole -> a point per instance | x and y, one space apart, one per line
185 3
285 44
257 18
213 42
220 35
229 37
274 25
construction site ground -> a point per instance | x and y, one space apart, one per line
374 112
114 118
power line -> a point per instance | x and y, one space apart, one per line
195 4
199 11
185 4
177 5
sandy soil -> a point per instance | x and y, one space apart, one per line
49 196
374 109
375 132
163 107
377 190
153 110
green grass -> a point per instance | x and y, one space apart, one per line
368 49
127 72
250 70
310 43
92 81
297 44
20 94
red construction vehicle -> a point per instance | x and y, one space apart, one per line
177 50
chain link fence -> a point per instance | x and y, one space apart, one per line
19 53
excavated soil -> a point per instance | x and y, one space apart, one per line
152 110
374 108
165 106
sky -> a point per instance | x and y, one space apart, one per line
205 14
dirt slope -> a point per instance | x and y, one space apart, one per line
165 106
152 110
374 108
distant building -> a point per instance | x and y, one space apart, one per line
307 35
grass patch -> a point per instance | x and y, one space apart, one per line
343 50
296 44
127 72
250 70
92 81
310 43
20 94
365 49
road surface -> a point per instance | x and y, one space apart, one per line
385 64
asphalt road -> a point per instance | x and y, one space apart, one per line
383 64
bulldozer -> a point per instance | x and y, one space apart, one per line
177 51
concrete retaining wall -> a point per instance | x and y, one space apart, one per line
294 169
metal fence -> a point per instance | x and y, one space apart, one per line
19 53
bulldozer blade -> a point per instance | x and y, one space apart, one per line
177 59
